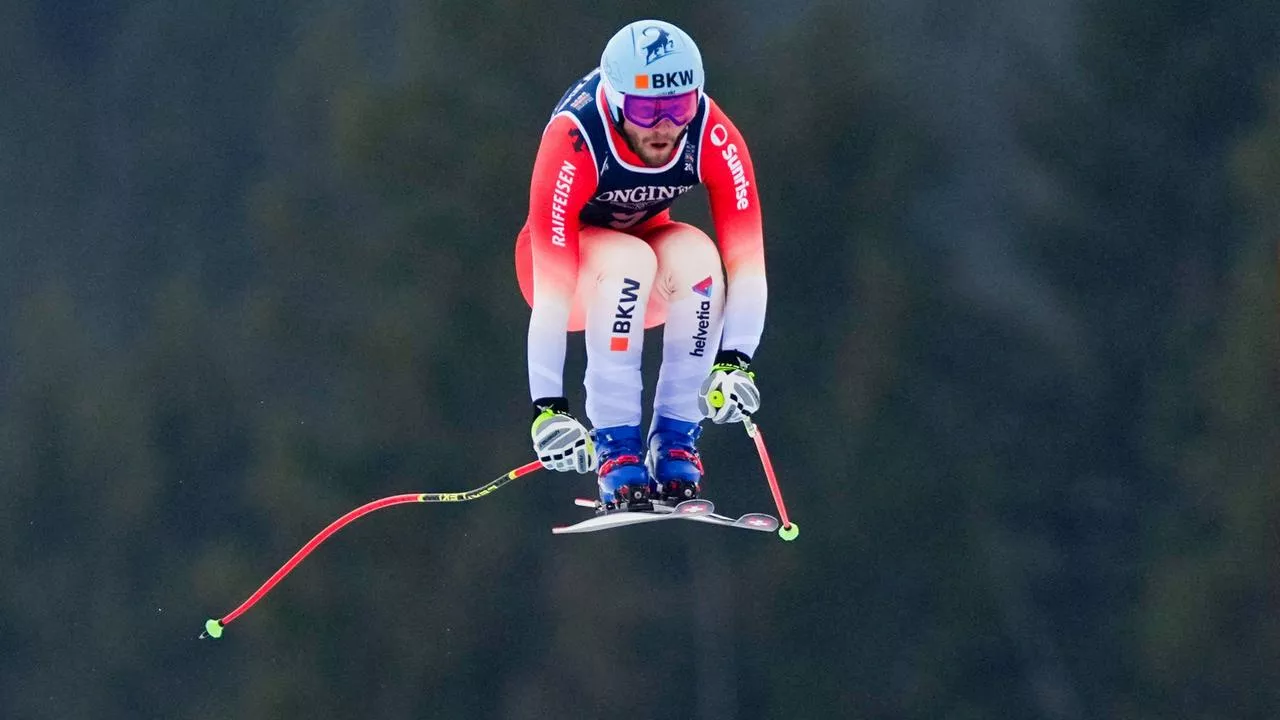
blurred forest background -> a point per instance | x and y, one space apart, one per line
1020 372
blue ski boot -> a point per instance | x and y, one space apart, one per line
673 461
624 481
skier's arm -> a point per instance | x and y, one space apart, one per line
564 176
728 174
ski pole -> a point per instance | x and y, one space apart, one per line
789 530
213 628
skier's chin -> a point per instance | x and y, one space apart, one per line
656 152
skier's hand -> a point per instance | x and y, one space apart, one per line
559 440
730 391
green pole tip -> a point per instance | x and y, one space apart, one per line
213 628
789 532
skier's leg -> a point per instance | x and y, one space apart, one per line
615 279
691 282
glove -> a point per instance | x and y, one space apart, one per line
730 391
560 441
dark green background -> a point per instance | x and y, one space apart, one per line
1020 371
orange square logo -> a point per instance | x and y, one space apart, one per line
619 344
642 82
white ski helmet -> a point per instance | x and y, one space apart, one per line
649 58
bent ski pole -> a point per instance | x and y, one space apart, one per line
789 530
213 628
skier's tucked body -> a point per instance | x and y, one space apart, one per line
600 252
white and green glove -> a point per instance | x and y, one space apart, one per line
559 440
729 393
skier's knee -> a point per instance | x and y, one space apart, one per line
629 257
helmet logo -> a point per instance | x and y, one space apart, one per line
658 81
661 47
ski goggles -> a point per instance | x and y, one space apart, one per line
649 111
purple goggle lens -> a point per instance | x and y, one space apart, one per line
649 111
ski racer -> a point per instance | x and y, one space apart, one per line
600 253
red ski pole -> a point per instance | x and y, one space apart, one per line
789 530
213 628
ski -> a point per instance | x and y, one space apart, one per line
608 521
759 522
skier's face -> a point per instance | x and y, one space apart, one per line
654 145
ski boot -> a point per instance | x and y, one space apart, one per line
623 479
673 461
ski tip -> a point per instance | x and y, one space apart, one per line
789 532
757 521
696 506
212 629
